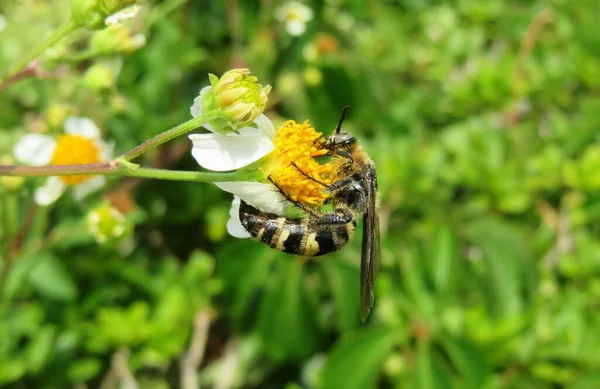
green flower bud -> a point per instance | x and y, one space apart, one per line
99 77
92 14
116 39
233 101
106 223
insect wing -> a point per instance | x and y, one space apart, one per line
371 252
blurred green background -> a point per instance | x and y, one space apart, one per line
482 117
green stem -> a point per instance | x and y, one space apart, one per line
116 168
163 137
62 31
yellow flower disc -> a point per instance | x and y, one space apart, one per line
75 149
299 143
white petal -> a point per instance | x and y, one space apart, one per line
197 108
295 28
49 192
223 152
34 149
234 225
263 196
122 16
106 149
82 126
88 186
2 22
265 125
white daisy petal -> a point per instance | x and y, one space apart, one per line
263 196
122 16
223 152
88 186
265 125
295 28
49 192
197 108
82 126
34 149
234 225
106 149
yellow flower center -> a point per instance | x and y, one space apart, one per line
299 143
75 149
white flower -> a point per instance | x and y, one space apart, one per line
2 22
123 16
295 15
81 143
271 154
225 152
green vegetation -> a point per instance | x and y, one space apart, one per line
482 117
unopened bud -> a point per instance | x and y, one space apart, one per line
93 14
233 101
99 77
116 39
105 223
56 114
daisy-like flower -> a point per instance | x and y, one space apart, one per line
295 15
271 154
81 143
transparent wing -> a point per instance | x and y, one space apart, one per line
371 252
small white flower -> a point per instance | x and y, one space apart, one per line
81 143
2 22
225 152
122 16
295 15
270 154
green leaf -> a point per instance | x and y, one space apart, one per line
429 373
469 361
287 322
506 257
40 348
50 278
590 380
344 280
355 361
84 369
443 258
11 370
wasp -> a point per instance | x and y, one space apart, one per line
353 194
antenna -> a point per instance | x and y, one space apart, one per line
342 117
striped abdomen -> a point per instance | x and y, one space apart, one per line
300 236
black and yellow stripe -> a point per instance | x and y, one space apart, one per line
300 236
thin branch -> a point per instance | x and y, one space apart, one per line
120 365
121 168
530 38
62 31
195 354
31 70
229 365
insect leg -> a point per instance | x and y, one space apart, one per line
305 174
296 203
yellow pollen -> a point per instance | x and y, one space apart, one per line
75 149
299 143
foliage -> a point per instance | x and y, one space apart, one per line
481 116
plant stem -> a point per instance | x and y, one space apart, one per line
115 168
163 137
62 31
